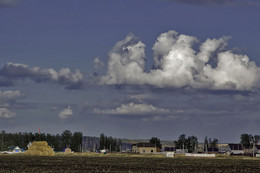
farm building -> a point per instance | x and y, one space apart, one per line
30 144
235 149
212 150
15 149
145 148
168 148
181 151
257 149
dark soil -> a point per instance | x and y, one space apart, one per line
18 163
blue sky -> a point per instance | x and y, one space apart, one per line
132 69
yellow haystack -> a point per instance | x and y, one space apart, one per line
40 148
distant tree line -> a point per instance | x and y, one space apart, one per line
109 143
58 141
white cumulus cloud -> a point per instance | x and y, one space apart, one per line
6 114
140 96
177 64
98 63
66 113
63 77
9 97
133 109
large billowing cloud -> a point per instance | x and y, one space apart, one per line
218 2
133 109
178 65
20 71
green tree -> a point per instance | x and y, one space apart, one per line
110 144
256 138
213 143
66 138
27 139
76 142
2 141
102 141
119 145
191 143
206 144
181 141
50 139
57 143
246 140
156 141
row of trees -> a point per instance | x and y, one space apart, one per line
110 143
191 143
58 142
248 140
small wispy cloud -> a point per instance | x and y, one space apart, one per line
140 96
158 118
133 109
66 113
9 97
98 63
8 3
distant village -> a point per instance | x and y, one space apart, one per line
69 142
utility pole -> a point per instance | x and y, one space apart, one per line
253 147
3 133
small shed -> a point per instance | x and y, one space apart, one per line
67 150
15 149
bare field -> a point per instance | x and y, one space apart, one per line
125 163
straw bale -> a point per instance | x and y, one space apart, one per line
33 147
43 148
40 148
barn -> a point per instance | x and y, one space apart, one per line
145 147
